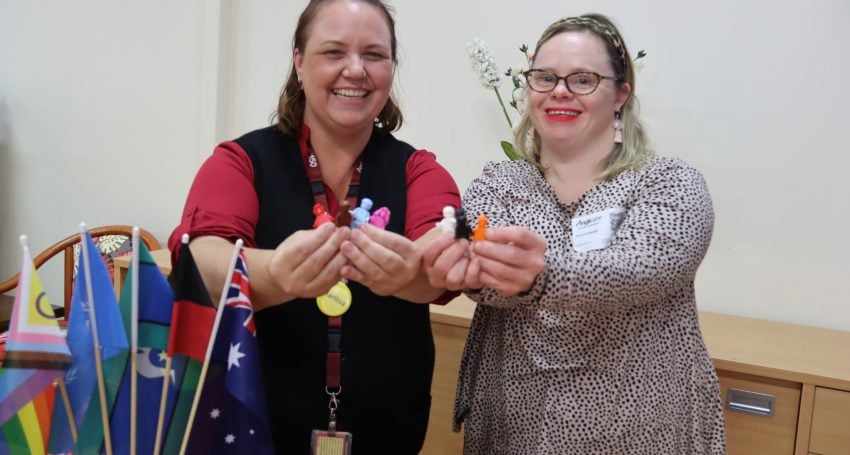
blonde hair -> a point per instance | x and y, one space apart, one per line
636 148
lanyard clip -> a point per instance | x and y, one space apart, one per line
333 404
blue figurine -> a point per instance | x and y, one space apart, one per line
361 214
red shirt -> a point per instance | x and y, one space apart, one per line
223 202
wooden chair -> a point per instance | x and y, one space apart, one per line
111 241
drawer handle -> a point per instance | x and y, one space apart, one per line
760 404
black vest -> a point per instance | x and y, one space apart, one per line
387 347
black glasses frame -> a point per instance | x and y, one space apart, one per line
558 79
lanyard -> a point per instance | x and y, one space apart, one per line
314 174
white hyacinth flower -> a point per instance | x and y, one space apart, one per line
481 59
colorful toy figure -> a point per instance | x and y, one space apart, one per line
462 230
361 214
449 223
480 231
322 216
343 218
380 218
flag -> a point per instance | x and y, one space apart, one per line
27 431
231 415
192 320
36 352
155 301
81 377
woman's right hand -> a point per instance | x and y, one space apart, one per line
308 262
446 262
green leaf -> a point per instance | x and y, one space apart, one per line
509 150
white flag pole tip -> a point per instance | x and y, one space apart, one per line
23 240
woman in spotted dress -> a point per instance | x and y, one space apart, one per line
585 339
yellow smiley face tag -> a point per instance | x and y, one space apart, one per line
336 302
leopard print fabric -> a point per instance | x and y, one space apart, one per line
604 355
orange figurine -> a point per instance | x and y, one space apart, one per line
322 216
480 231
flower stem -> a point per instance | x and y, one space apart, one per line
501 103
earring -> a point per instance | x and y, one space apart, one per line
300 84
618 128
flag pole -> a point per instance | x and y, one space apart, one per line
221 303
66 400
134 337
163 403
98 361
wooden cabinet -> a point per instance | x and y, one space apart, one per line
449 340
830 422
761 414
789 384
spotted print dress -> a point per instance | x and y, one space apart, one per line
604 354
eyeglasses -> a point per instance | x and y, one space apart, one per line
581 83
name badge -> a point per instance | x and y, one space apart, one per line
595 231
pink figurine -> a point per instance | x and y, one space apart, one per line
380 218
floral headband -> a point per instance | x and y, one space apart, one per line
600 28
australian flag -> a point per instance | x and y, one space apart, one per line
232 415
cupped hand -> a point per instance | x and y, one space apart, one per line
447 264
308 262
383 261
510 258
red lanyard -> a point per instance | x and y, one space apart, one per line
314 173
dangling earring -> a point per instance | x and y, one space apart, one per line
618 128
300 84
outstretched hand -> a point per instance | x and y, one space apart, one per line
308 262
510 258
383 261
447 263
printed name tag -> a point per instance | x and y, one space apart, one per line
595 231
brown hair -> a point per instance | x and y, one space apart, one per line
636 148
291 104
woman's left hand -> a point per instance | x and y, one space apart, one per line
510 259
383 261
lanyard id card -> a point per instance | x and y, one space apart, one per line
330 443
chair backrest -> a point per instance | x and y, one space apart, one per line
111 241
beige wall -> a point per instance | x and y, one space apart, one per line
752 93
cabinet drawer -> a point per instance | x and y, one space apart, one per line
448 343
749 428
830 422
